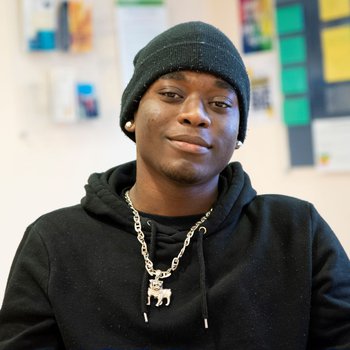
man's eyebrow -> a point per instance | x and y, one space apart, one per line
224 85
174 76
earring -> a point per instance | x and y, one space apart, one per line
128 124
239 144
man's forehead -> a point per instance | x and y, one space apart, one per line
174 76
181 76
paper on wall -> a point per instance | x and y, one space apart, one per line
334 9
264 101
331 139
336 53
63 95
136 25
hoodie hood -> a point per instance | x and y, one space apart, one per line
165 236
104 197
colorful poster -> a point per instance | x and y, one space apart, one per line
80 26
39 24
257 24
87 101
315 77
71 99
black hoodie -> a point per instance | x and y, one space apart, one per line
268 273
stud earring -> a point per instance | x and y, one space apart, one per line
239 144
128 124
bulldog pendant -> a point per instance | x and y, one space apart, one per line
156 291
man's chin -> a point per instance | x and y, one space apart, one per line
185 174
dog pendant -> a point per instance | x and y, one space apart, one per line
156 291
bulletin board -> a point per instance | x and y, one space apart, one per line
314 51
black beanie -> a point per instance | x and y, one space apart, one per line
194 46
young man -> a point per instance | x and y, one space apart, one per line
176 250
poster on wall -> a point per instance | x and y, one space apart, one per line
264 103
39 24
71 99
75 26
57 25
257 25
137 22
314 42
80 26
87 100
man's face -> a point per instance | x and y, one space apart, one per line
186 127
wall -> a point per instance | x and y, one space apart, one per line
265 154
45 166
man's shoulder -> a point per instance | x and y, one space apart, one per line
281 199
281 204
61 214
60 221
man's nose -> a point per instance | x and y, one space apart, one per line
194 113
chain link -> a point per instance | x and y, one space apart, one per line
144 251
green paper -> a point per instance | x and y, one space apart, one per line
290 19
139 2
292 50
296 111
294 80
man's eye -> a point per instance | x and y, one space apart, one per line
170 94
221 104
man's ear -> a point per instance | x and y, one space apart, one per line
130 126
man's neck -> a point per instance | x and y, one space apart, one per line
173 199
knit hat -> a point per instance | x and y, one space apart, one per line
194 46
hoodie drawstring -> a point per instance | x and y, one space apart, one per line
145 280
202 275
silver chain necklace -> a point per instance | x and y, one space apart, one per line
155 288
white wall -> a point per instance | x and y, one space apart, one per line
45 166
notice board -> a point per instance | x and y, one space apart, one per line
314 53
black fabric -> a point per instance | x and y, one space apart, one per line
276 276
177 222
194 46
202 278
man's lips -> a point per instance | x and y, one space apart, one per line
195 140
191 144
